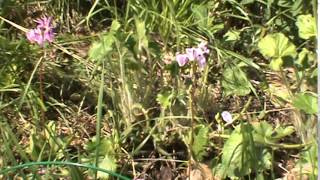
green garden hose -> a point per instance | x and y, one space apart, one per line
14 168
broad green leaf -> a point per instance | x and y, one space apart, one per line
235 157
164 99
260 176
106 146
232 152
108 163
141 34
234 81
307 26
262 130
201 140
232 35
306 102
265 133
276 64
306 58
100 49
241 156
314 73
115 26
281 132
276 46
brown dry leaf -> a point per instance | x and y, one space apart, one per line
202 172
295 177
165 173
277 91
298 173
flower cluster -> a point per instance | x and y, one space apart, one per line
43 32
198 54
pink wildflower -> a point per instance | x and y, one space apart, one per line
44 23
182 59
227 117
203 47
43 32
199 54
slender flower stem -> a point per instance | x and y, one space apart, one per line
41 77
191 107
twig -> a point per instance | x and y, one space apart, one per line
159 159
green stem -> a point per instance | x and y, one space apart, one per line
29 83
99 118
244 109
191 107
272 166
127 100
41 92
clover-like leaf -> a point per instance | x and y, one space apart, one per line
307 26
276 64
306 58
276 46
306 102
100 49
232 35
108 163
164 99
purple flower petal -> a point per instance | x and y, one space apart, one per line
43 32
198 54
49 36
31 35
190 52
227 117
39 37
201 61
182 59
199 57
203 47
44 23
35 35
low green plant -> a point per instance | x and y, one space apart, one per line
132 87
